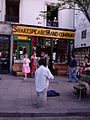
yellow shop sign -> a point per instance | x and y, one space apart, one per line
44 32
23 37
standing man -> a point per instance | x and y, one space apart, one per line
72 69
42 76
45 57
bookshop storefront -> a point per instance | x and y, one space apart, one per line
57 43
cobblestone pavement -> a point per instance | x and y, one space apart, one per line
17 98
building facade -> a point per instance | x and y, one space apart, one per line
82 37
27 14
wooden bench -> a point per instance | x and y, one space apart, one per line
80 89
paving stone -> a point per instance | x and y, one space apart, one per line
17 95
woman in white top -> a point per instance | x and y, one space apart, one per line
26 67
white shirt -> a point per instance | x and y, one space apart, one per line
42 76
26 62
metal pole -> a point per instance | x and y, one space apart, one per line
11 53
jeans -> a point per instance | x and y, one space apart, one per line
72 74
41 98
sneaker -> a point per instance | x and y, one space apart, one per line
25 78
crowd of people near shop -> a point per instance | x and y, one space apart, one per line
37 67
31 64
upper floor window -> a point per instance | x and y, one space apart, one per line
52 16
84 33
12 10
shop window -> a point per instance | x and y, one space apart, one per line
41 41
47 42
4 54
20 48
44 41
52 16
61 51
80 53
14 50
34 41
84 32
12 10
57 49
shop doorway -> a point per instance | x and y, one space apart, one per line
22 49
4 54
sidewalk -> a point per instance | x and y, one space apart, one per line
18 96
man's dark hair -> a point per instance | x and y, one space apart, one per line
42 62
73 56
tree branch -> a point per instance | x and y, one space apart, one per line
84 9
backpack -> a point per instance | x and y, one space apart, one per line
52 93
